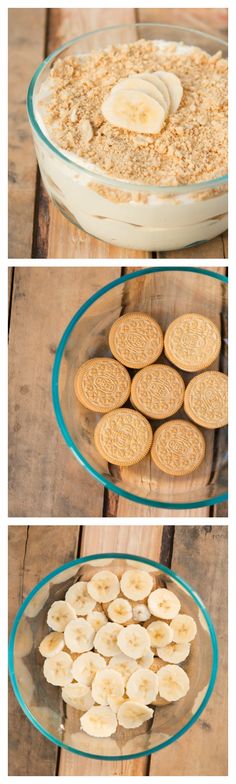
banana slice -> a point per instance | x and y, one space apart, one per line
160 634
142 686
51 644
163 604
136 584
57 669
133 110
79 635
105 640
134 641
132 714
106 684
79 598
146 660
97 619
141 613
174 87
175 652
153 78
59 615
120 611
184 628
116 702
104 586
173 682
77 696
142 84
99 721
86 666
124 665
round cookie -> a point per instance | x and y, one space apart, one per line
178 447
192 342
136 340
123 437
206 399
102 384
157 391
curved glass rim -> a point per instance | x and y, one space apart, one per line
100 177
108 484
196 598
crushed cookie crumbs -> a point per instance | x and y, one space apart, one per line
192 145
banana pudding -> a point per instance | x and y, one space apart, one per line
132 142
115 648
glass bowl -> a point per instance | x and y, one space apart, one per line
165 293
60 723
126 213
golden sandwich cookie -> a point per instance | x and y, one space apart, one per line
178 447
206 399
136 340
192 342
102 384
157 391
123 437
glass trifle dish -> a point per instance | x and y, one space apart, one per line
130 129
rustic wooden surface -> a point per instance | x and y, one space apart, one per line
44 477
199 555
36 228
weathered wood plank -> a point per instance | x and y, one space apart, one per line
135 540
44 477
26 50
33 553
200 556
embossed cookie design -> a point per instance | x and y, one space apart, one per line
136 340
178 447
192 342
157 391
102 384
123 437
206 399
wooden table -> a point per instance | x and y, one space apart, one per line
45 479
199 555
36 228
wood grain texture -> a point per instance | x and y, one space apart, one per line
26 50
200 557
44 477
134 540
33 553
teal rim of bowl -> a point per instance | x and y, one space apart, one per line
196 599
111 181
56 403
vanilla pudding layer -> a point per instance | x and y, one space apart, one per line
141 220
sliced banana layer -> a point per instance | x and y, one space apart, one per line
163 604
141 613
184 628
105 641
59 615
124 665
175 652
142 686
79 635
160 634
173 682
107 683
104 586
136 584
57 669
51 644
134 641
132 714
99 721
142 103
79 598
120 611
147 659
78 696
97 619
86 666
116 702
